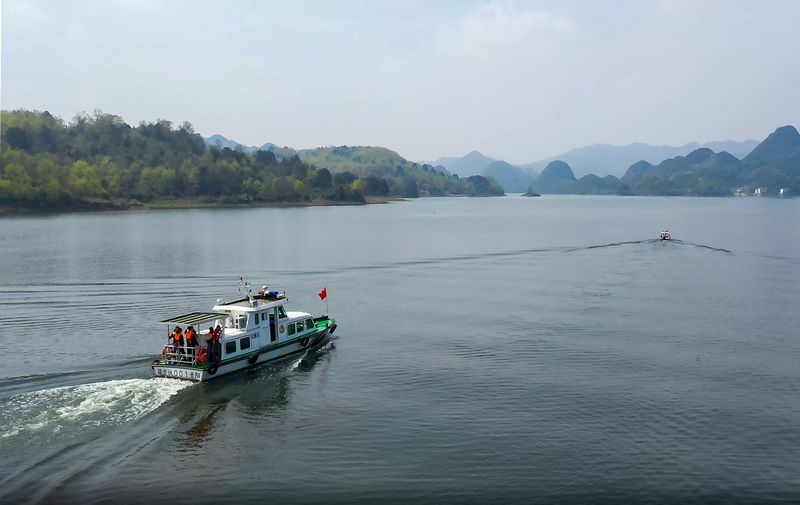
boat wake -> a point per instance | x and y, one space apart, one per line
93 405
651 241
613 244
703 246
501 254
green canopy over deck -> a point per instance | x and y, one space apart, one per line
194 318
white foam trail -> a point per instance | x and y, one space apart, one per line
93 404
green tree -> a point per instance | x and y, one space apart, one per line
19 186
371 185
16 138
343 178
84 181
323 179
155 183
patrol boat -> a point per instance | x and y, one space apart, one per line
253 329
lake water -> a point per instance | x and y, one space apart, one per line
505 350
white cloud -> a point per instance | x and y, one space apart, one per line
24 10
497 25
139 5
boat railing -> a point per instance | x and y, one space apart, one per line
180 355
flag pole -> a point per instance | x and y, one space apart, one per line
323 295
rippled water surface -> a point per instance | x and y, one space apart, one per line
489 350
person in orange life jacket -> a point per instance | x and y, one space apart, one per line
217 345
210 344
177 339
191 339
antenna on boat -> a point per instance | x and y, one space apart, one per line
241 283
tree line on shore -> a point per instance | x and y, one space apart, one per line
98 158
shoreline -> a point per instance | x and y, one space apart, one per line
104 206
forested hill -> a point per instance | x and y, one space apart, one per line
362 160
400 174
99 160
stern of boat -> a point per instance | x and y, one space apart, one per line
182 363
194 374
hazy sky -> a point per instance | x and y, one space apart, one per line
516 80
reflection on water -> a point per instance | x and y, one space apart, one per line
271 399
254 393
200 431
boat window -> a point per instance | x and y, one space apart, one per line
230 347
256 317
309 324
241 322
291 329
281 312
244 343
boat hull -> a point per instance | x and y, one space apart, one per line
200 373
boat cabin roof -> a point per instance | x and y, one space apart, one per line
194 318
252 304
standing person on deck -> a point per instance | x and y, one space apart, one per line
217 344
191 339
177 339
210 344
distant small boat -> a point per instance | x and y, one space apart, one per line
664 235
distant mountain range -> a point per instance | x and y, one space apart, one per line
513 179
712 169
598 159
605 159
773 164
223 142
472 163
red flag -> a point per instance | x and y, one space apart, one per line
323 294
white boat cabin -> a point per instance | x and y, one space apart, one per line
259 321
